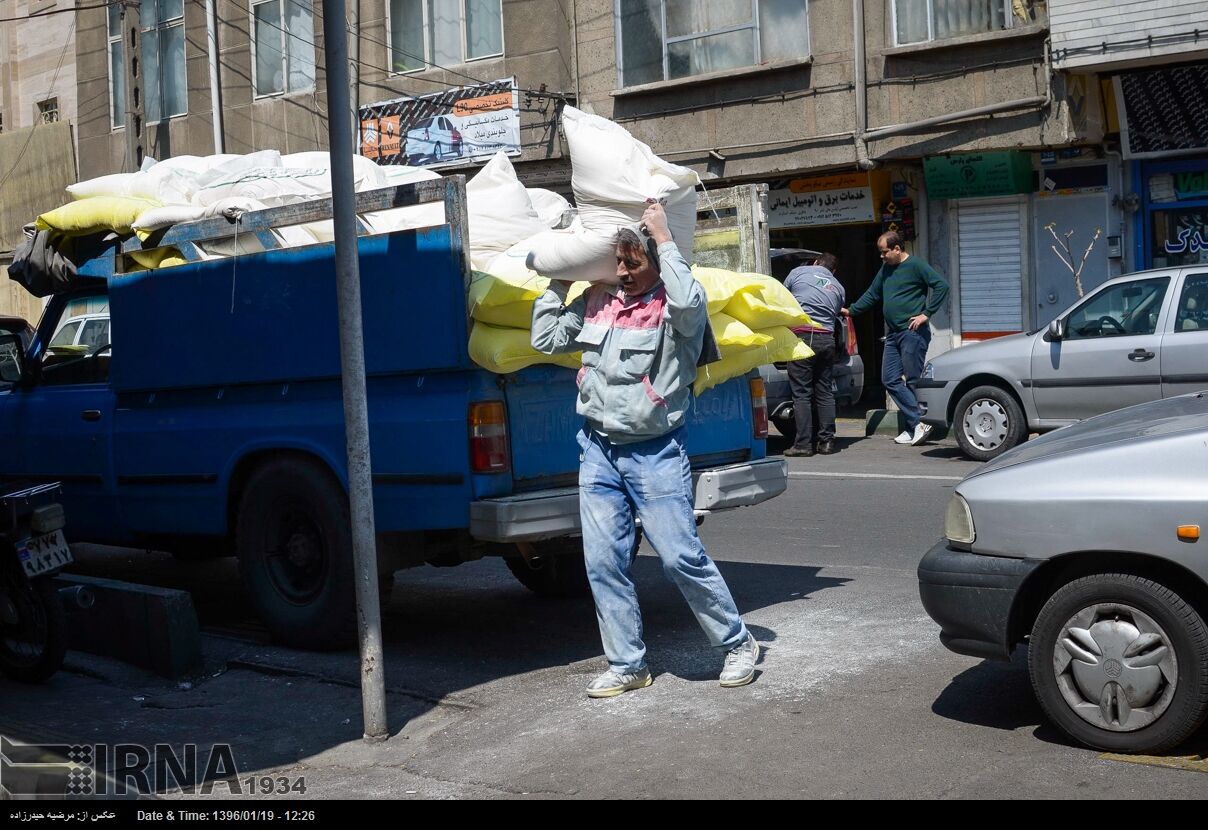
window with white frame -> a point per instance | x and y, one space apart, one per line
117 70
443 32
661 40
165 91
919 21
285 46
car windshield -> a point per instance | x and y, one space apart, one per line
66 335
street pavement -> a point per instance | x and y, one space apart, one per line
855 696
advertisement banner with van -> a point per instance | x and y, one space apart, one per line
445 128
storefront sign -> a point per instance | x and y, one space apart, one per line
842 199
1163 111
443 128
982 174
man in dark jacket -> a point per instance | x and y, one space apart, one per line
901 286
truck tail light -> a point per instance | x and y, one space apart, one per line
488 437
759 409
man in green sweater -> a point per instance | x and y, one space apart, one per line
901 286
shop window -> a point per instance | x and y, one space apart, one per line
662 40
117 69
284 46
48 111
1180 236
443 32
920 21
163 27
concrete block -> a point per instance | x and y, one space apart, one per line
883 422
149 627
890 422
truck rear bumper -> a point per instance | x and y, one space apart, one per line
550 513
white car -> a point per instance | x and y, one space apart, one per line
81 334
433 139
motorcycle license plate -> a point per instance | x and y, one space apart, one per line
41 554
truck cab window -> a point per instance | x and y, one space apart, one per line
78 353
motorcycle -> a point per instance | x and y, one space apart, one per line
33 620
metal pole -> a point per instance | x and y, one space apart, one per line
215 89
132 48
352 366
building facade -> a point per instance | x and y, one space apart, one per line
992 133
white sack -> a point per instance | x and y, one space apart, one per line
415 216
612 175
552 208
575 253
498 207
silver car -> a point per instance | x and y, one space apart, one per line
1134 339
1085 543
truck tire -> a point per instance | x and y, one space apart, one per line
1120 663
988 421
559 571
294 542
33 632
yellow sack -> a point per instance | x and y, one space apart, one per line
720 285
731 332
157 258
99 213
505 300
505 350
763 302
735 361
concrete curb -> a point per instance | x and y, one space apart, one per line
152 628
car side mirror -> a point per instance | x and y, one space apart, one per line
1057 329
12 359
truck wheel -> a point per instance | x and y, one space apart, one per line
294 541
988 422
1120 663
558 572
33 627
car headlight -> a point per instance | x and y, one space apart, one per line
929 372
958 521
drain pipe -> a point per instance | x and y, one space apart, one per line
861 88
1037 102
215 87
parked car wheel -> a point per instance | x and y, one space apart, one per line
559 570
294 541
988 422
1120 663
787 426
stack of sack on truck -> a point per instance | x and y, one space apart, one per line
612 175
519 238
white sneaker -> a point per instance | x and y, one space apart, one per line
904 438
920 434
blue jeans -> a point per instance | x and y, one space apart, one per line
905 354
653 480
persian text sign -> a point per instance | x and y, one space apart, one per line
841 199
981 174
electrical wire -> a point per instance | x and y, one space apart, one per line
54 80
49 12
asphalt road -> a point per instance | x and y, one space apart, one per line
855 696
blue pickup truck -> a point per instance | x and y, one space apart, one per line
212 423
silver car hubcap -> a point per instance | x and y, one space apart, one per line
985 424
1115 667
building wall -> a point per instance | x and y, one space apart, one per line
1093 33
800 114
36 61
536 45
